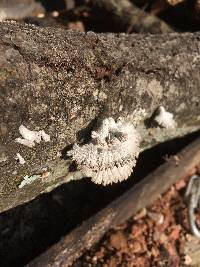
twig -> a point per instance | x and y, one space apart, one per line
125 14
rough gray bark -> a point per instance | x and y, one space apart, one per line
61 81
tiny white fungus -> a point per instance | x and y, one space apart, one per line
28 180
20 158
45 136
30 137
111 154
164 118
25 142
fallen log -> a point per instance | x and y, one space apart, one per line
129 17
61 81
19 9
140 196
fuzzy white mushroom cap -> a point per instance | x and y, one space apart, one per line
111 153
30 137
164 118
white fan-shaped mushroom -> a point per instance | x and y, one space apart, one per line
164 118
111 153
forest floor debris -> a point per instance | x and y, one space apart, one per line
157 236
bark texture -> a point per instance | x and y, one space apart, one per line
62 81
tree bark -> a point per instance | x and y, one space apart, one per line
62 81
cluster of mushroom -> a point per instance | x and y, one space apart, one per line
112 152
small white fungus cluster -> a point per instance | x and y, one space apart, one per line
30 137
110 155
164 118
20 159
28 180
